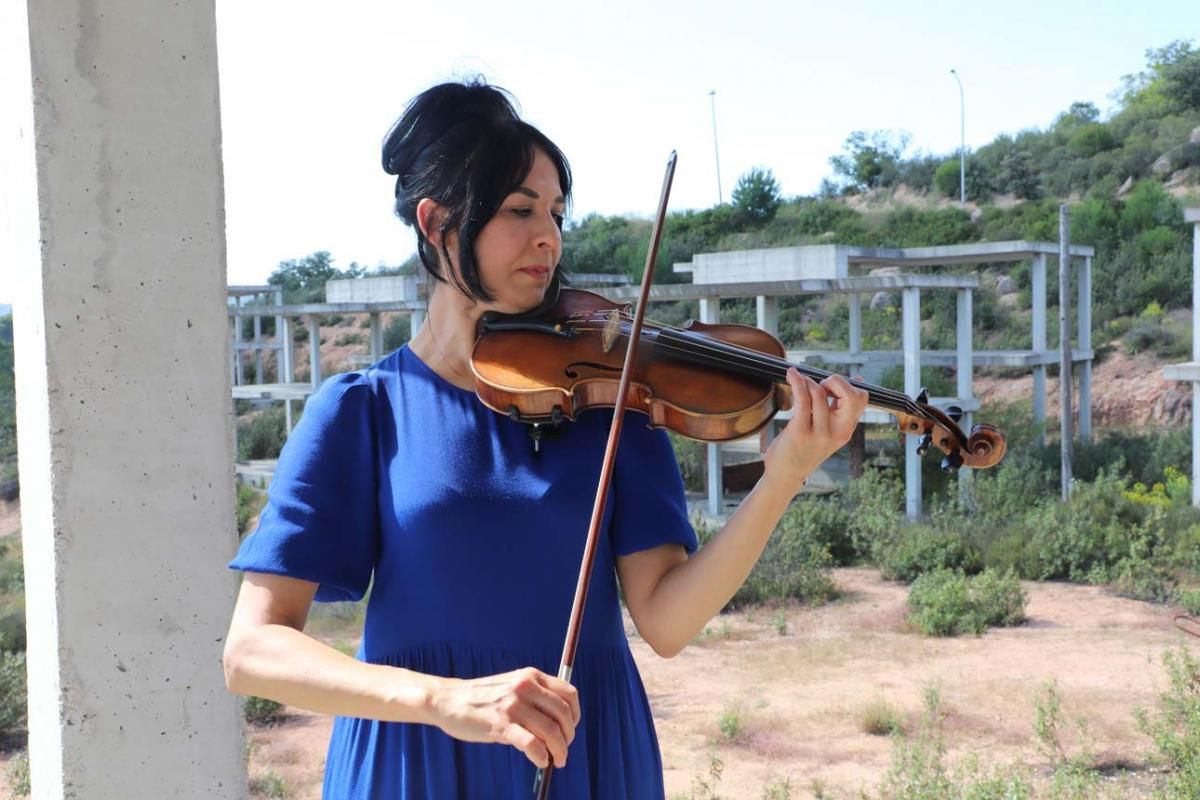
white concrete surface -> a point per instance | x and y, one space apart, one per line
113 216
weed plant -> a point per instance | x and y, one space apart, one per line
1175 725
949 603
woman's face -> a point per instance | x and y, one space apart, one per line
519 248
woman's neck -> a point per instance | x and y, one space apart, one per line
447 336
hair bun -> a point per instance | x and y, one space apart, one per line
437 111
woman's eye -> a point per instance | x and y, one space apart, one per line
522 212
558 219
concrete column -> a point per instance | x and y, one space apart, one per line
415 320
287 353
239 373
767 309
112 214
710 312
1039 343
314 350
1193 215
964 390
258 360
1085 343
376 336
855 302
911 313
767 312
277 298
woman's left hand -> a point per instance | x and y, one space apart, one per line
817 429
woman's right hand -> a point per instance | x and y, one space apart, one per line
526 708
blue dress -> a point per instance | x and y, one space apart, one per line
474 543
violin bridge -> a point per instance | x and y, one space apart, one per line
612 328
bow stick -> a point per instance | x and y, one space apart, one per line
541 784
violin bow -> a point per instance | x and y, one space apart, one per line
541 784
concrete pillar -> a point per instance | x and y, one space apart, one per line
314 350
911 336
239 373
767 310
964 390
277 298
376 336
258 360
1193 215
287 354
1038 277
1085 343
710 312
767 313
415 320
855 302
112 214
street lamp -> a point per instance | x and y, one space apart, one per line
962 144
712 96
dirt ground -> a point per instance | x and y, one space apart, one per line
800 697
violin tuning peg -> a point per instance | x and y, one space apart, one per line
923 444
923 396
951 462
954 412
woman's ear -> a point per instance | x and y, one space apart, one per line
429 218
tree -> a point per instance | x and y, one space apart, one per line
870 160
303 279
757 195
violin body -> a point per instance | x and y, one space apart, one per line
713 383
541 378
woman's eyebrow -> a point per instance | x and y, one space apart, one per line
525 190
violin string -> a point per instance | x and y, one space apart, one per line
763 364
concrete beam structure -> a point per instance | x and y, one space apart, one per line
110 152
710 313
1190 372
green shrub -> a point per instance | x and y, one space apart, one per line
18 775
828 522
876 504
249 502
13 697
794 566
270 785
397 332
948 603
921 548
1175 724
261 711
263 436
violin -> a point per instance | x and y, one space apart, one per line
707 382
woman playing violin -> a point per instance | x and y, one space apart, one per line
397 478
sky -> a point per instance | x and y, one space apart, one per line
309 88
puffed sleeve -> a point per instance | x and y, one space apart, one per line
649 504
321 520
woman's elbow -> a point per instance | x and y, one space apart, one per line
233 661
665 646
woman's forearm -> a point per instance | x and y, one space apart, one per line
281 663
692 592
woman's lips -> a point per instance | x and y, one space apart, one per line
535 271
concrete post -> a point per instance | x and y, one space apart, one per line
710 312
376 336
1039 343
1065 373
964 390
1193 215
277 297
287 373
314 350
258 359
911 321
415 320
855 302
239 371
108 112
1085 343
767 313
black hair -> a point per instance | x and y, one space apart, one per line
463 146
